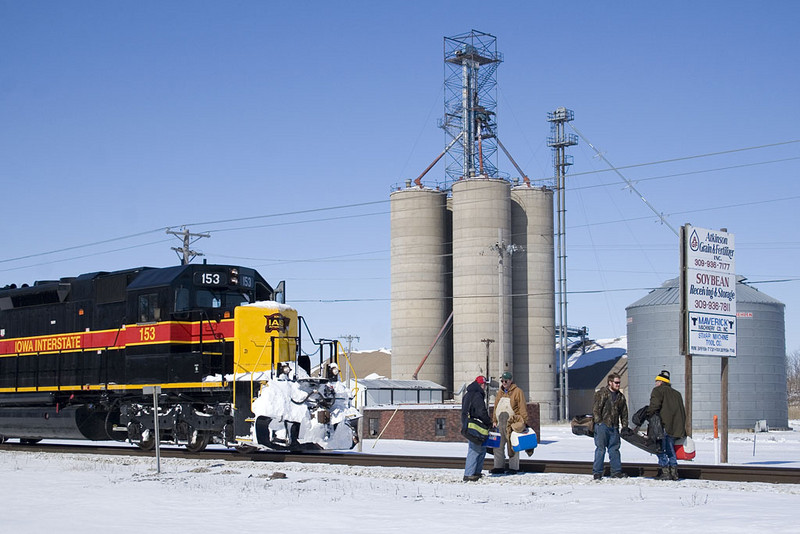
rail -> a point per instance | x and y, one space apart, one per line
726 473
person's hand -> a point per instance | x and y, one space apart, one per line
626 431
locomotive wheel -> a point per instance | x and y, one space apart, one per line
29 441
198 441
147 444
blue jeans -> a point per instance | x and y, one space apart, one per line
606 437
475 456
667 457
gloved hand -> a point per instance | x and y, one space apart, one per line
626 431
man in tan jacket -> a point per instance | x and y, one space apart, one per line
510 412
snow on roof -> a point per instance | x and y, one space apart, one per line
270 304
600 350
387 383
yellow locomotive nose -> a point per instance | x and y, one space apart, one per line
265 335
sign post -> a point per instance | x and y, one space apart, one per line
155 390
708 307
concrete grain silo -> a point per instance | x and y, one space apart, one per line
466 260
757 375
481 218
533 300
420 294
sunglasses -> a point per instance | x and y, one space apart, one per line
617 383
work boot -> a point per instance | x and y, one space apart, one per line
598 476
673 472
472 478
663 474
619 474
498 471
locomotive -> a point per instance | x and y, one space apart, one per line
203 353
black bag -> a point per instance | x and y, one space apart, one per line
582 425
476 431
653 436
639 418
655 429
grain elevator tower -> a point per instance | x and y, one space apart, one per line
472 254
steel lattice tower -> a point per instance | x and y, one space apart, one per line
559 140
470 100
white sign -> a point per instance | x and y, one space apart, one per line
710 292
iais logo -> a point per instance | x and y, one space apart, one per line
276 323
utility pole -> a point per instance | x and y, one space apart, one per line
503 250
184 252
349 339
488 342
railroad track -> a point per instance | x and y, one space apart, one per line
728 473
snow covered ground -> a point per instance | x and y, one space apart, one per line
78 493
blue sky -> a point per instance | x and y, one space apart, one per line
281 129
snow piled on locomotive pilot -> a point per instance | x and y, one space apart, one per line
317 412
292 409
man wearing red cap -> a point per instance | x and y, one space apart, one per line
473 406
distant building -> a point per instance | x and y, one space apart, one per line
589 366
369 362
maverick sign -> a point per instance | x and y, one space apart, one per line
708 292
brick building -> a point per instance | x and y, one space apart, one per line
439 422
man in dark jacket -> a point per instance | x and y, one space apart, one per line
609 413
473 405
668 403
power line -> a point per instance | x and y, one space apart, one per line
687 173
354 205
661 216
684 158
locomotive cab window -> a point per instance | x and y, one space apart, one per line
148 308
182 302
207 298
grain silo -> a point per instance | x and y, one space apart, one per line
757 376
420 303
478 256
533 301
481 219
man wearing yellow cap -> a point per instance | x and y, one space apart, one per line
668 403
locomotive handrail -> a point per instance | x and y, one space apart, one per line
350 366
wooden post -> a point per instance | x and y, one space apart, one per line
687 398
723 454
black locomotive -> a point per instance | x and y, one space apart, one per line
80 358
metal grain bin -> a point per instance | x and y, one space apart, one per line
757 376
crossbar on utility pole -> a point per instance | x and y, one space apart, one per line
184 252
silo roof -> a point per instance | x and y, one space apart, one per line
669 293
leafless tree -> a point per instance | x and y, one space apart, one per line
793 378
